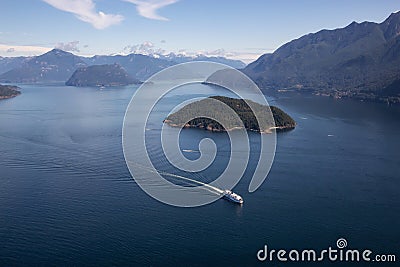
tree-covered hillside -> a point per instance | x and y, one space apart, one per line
101 75
358 61
282 121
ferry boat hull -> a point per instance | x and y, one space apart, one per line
233 197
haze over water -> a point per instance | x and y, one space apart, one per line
67 197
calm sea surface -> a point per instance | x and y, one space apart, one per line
67 197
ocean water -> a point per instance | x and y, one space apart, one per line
68 199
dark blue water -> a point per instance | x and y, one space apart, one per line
67 198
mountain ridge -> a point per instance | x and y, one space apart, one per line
55 65
59 65
359 60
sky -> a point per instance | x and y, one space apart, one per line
235 29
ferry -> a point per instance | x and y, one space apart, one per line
229 195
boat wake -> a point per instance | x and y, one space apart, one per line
227 194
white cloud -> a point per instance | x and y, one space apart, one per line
22 50
207 53
146 48
85 10
245 56
215 53
148 9
70 47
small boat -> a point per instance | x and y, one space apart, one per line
189 150
229 195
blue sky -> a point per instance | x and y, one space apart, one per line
233 28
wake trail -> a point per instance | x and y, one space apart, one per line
213 188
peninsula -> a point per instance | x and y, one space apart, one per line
8 91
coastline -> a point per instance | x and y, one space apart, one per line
213 129
8 97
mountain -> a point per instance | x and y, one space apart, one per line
178 58
140 67
101 75
55 65
58 65
9 63
8 91
143 66
356 61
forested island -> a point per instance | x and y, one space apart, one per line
101 75
282 121
8 91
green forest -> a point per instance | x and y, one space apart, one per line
198 115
